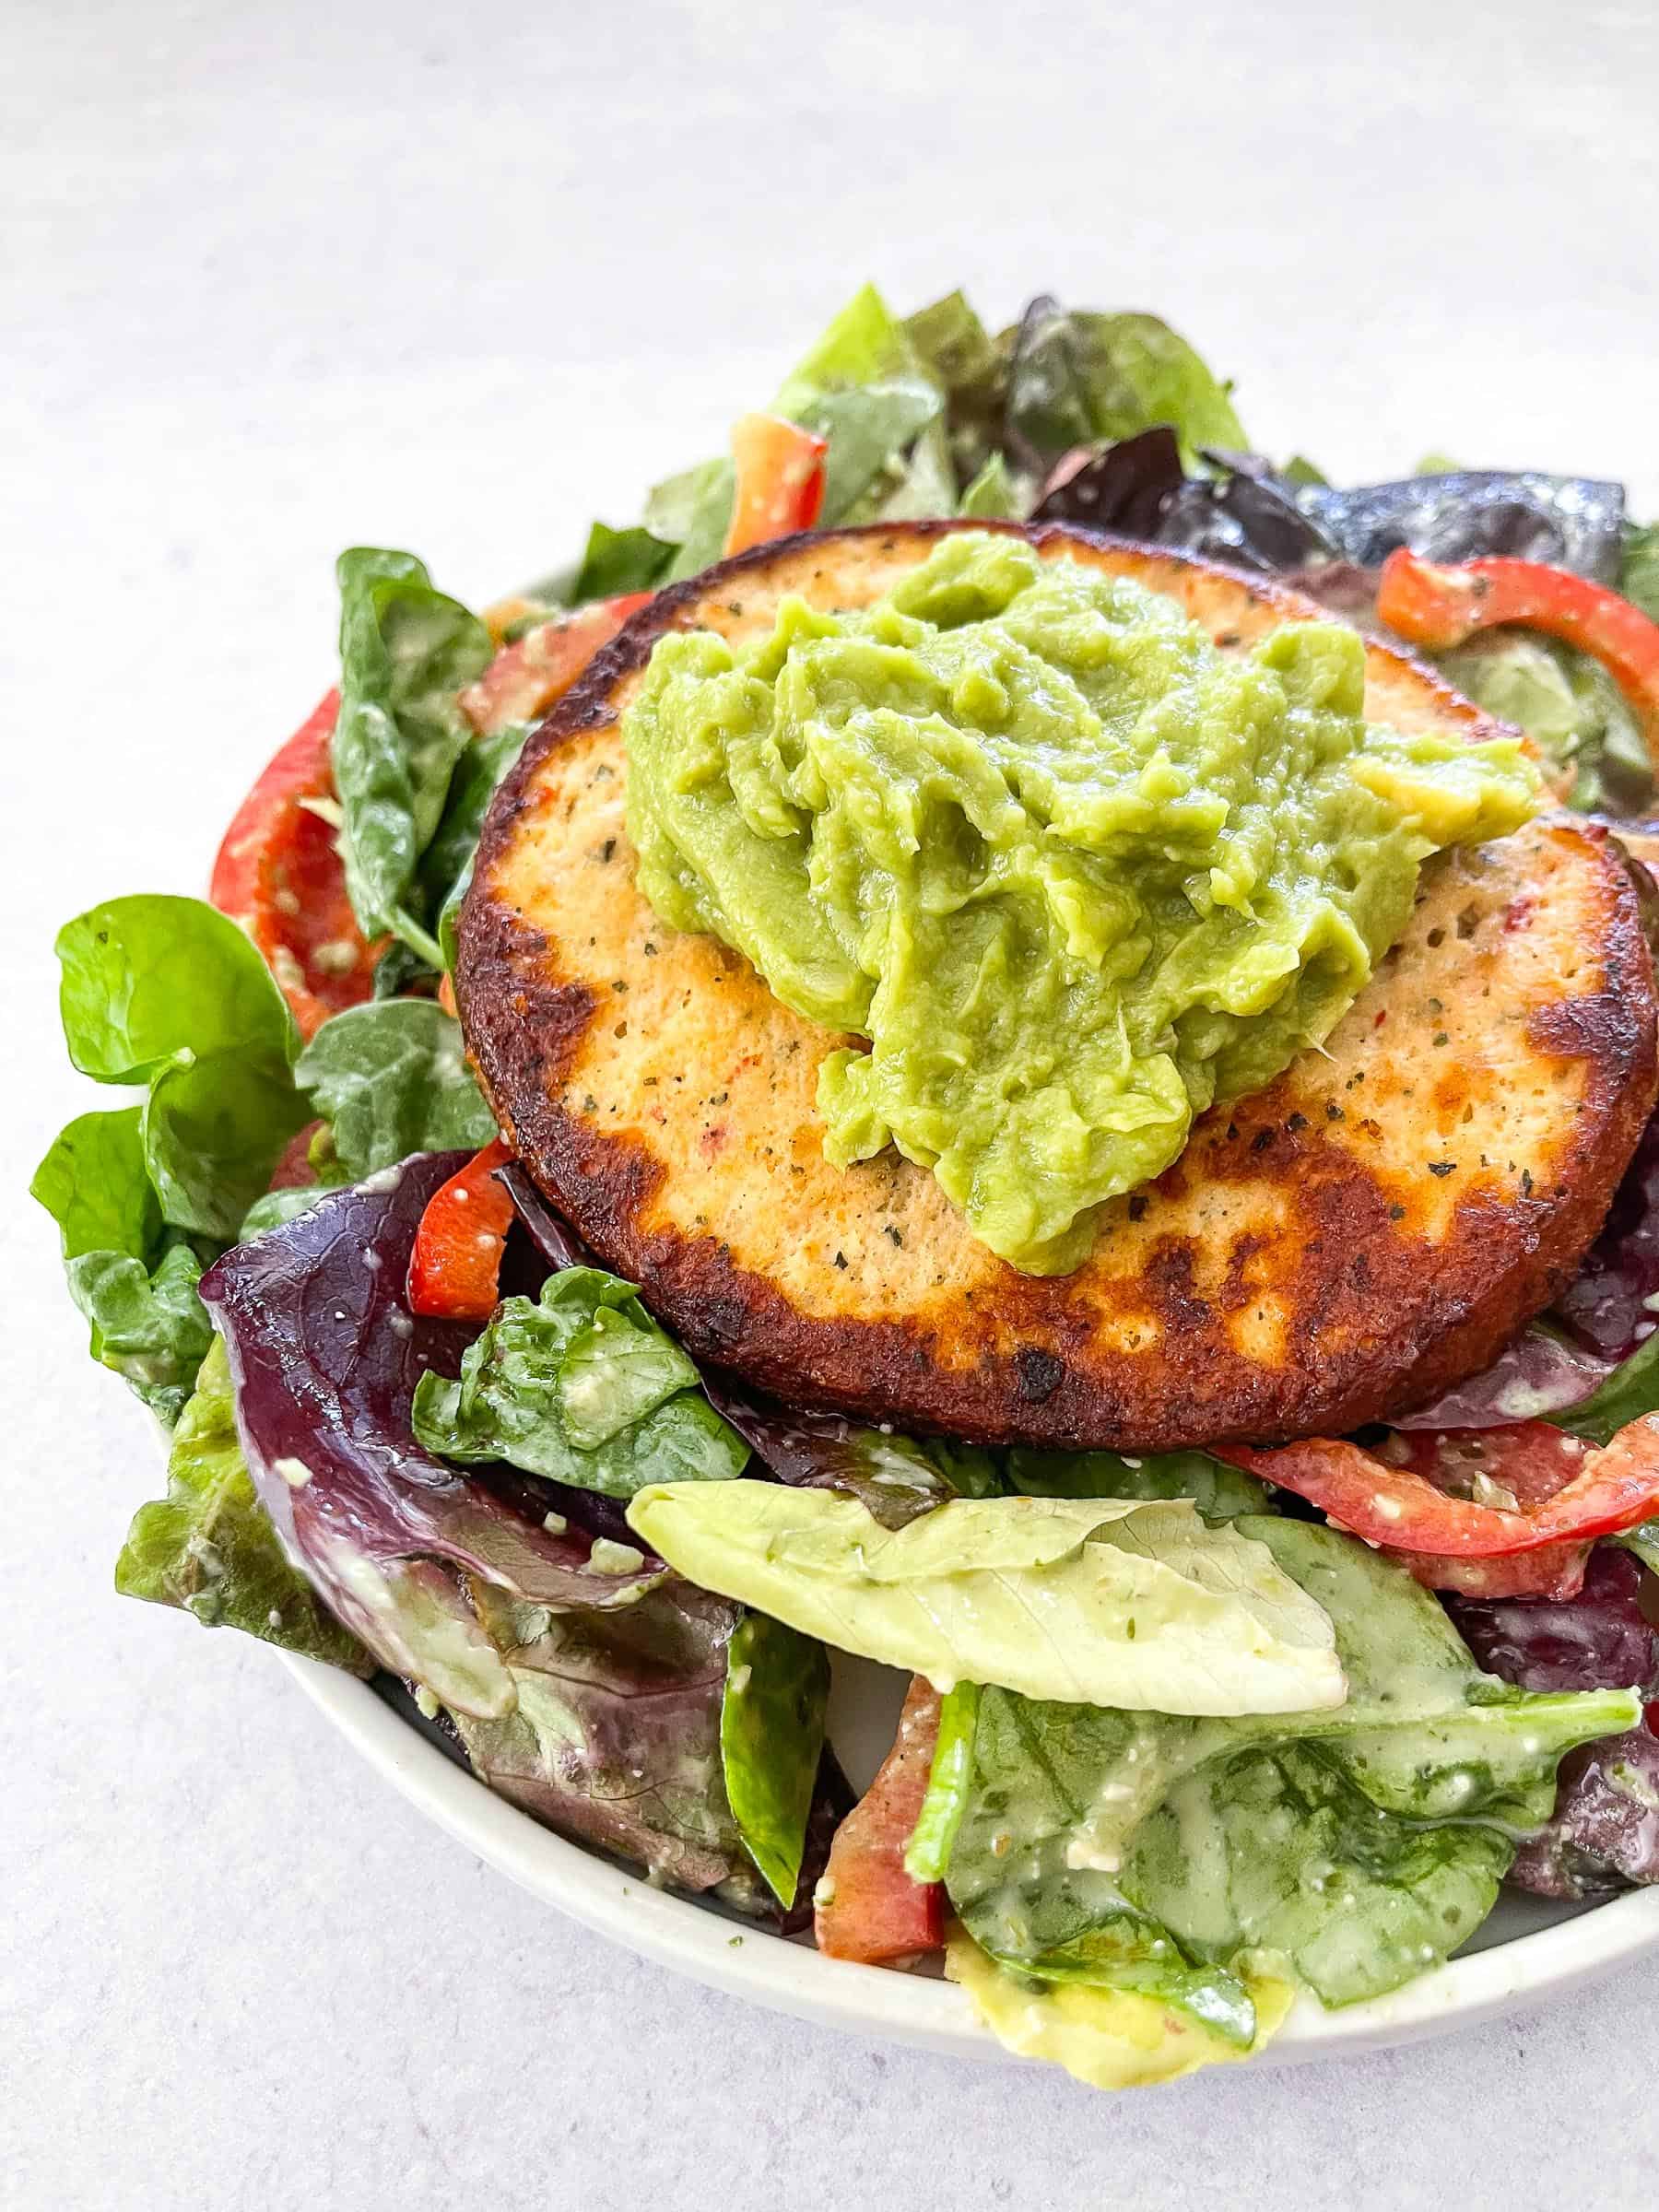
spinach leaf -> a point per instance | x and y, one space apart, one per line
619 561
406 652
1077 378
771 1739
446 870
95 1185
167 993
392 1078
150 980
1221 1492
1363 1842
212 1130
582 1387
693 512
400 971
208 1546
1114 2039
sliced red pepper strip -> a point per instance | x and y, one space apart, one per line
1391 1506
867 1907
1439 606
780 481
526 678
1554 1570
455 1266
279 875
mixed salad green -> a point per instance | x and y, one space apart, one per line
1177 1748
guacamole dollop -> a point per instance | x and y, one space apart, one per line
1072 871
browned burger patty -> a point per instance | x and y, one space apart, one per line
1355 1239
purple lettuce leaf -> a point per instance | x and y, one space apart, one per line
585 1686
1463 514
894 1478
552 1235
1606 1307
1605 1831
1251 516
1538 1374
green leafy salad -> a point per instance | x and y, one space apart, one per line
1179 1751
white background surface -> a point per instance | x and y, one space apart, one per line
281 278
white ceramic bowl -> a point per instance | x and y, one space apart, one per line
1527 1949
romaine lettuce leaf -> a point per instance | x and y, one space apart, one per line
1568 703
864 344
392 1080
147 1323
406 652
1063 1599
868 429
993 493
1137 1850
619 561
771 1743
208 1546
582 1387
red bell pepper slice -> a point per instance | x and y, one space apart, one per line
526 678
780 481
867 1907
1395 1507
1532 1461
456 1266
279 875
1554 1570
1439 606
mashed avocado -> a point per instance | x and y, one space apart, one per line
1071 870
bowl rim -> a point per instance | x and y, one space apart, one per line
935 2015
